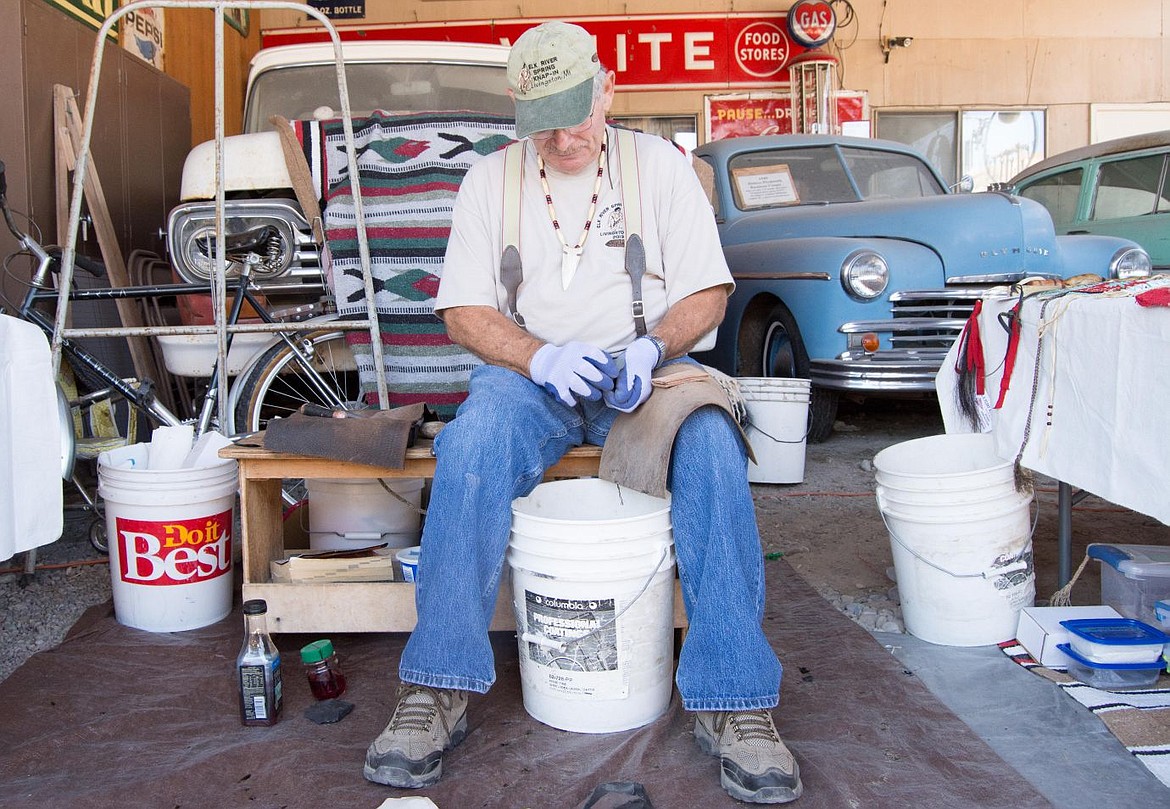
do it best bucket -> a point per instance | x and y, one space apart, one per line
170 537
593 593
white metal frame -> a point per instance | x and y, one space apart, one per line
221 328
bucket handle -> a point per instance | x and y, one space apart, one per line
562 645
1017 565
808 428
400 498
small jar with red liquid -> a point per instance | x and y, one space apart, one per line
323 669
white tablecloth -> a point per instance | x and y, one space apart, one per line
1095 408
30 441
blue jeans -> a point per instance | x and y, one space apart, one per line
505 435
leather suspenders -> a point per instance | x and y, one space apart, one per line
511 271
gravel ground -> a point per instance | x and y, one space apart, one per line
38 610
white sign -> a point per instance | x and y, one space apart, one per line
142 34
765 185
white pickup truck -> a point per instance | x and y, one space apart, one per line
300 82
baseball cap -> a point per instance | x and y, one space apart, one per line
550 70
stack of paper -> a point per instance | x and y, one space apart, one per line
375 563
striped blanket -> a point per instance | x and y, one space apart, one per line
410 167
1139 719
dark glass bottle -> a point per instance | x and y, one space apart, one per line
258 669
323 669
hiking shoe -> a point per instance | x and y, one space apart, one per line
755 766
409 752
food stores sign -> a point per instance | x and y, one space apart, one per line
653 51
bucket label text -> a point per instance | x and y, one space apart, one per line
167 552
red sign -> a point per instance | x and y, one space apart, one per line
646 51
738 117
174 551
812 22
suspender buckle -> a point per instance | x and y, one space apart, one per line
638 310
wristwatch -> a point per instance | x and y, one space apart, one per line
660 344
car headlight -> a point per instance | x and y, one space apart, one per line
1130 262
864 274
191 237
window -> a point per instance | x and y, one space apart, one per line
931 133
990 146
1133 187
999 144
1058 193
682 129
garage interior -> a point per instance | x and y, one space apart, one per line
100 713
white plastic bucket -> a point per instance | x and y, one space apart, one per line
347 513
777 427
954 462
961 538
593 593
170 537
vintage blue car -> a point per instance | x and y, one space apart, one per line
856 267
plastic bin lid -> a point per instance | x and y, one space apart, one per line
1071 652
1134 561
1115 631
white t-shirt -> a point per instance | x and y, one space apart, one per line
683 254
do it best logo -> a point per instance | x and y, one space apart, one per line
174 551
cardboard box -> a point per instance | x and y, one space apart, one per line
1039 630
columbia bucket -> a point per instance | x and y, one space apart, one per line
961 538
593 593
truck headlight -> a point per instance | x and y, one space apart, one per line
191 237
1130 262
864 274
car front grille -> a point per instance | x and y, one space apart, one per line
932 319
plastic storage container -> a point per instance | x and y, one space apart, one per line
1133 578
1115 640
1111 676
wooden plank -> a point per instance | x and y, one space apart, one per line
107 237
371 606
264 463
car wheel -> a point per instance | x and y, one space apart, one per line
783 355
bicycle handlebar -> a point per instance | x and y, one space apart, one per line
50 257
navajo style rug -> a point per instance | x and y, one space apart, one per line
410 167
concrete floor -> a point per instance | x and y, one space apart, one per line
1053 741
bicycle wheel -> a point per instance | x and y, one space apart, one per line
321 371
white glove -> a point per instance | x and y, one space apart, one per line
633 383
573 370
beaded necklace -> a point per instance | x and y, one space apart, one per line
571 256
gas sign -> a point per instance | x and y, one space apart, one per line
812 22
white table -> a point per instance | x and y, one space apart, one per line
1087 399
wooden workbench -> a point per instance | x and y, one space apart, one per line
347 606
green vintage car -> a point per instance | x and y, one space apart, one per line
1114 188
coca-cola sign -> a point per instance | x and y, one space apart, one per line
170 552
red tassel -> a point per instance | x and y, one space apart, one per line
1009 361
974 348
